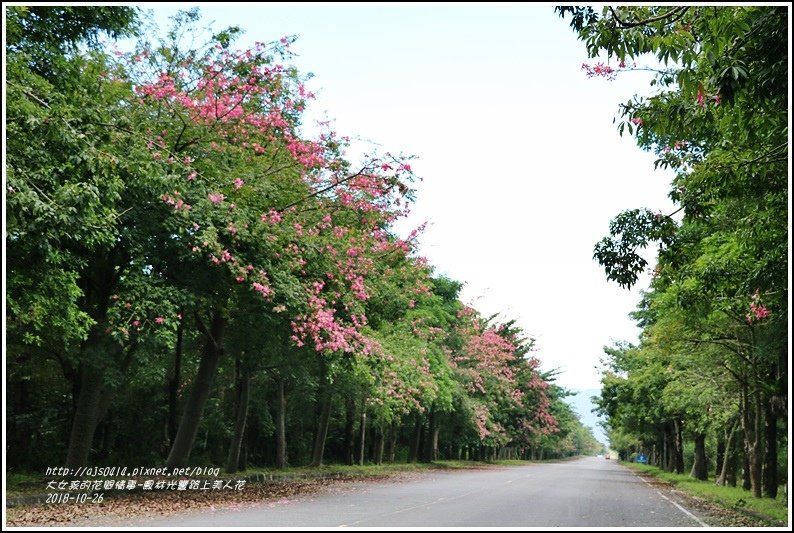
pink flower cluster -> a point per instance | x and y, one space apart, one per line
600 70
757 310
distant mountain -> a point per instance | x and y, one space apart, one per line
581 404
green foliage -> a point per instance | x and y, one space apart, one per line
156 196
713 344
44 35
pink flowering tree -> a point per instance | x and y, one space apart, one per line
254 206
506 391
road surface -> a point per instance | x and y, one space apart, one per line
587 492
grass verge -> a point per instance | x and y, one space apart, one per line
735 498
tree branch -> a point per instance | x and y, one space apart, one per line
320 191
624 24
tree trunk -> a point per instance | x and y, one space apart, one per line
751 425
770 451
380 441
350 430
413 453
747 483
281 418
173 384
194 406
430 451
434 438
86 416
324 416
720 457
363 433
94 396
729 460
233 461
391 452
678 446
700 467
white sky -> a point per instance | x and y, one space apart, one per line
523 168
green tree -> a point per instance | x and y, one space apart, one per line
719 121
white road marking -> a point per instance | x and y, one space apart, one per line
690 515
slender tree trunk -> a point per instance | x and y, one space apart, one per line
434 438
770 451
413 455
233 461
281 418
747 483
196 401
350 430
678 446
391 452
700 466
173 383
751 425
324 416
729 460
363 433
380 440
720 457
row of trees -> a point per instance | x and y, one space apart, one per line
189 274
710 373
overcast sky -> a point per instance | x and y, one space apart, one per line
522 165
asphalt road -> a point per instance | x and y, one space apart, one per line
588 492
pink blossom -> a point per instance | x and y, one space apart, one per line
759 311
272 217
238 183
638 121
159 320
215 198
264 290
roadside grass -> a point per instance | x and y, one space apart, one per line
19 483
729 497
373 470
